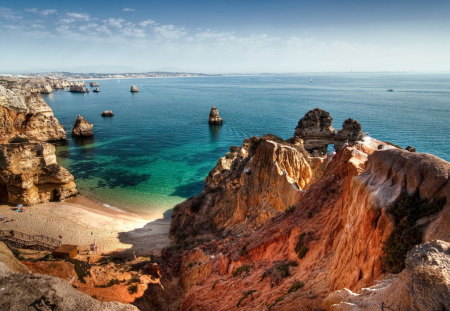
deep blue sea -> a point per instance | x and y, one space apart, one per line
158 148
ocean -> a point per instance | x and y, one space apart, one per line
158 148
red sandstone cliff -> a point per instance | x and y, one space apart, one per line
278 229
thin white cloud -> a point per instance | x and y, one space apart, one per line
147 22
79 16
9 14
170 32
128 10
41 12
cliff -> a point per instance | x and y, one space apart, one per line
22 290
277 228
26 113
29 173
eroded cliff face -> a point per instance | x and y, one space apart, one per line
248 186
29 174
291 258
26 113
23 290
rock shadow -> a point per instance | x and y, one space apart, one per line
148 240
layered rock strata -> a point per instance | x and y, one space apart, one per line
423 285
29 174
26 113
214 117
23 290
82 128
249 241
259 179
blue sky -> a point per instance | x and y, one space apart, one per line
231 36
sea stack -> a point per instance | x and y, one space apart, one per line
107 113
78 89
82 128
94 84
134 89
96 90
214 117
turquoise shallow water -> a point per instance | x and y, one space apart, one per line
158 148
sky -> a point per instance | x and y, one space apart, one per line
233 36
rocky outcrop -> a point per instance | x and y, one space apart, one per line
107 113
78 88
82 128
423 285
316 130
22 290
214 117
94 84
26 113
29 174
259 180
352 218
134 89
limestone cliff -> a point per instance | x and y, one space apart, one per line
29 174
424 285
289 228
26 113
248 186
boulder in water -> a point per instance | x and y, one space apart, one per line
134 89
82 128
107 113
214 117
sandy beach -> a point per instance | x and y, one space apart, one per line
82 221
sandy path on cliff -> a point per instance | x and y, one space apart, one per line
81 221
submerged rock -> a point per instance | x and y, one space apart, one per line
134 89
214 117
107 113
82 128
29 174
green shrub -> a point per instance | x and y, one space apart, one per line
406 211
245 295
290 209
296 286
245 269
82 269
110 283
301 247
132 289
275 302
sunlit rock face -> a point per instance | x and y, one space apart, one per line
214 117
26 113
23 290
317 132
82 128
29 174
251 184
423 285
331 233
